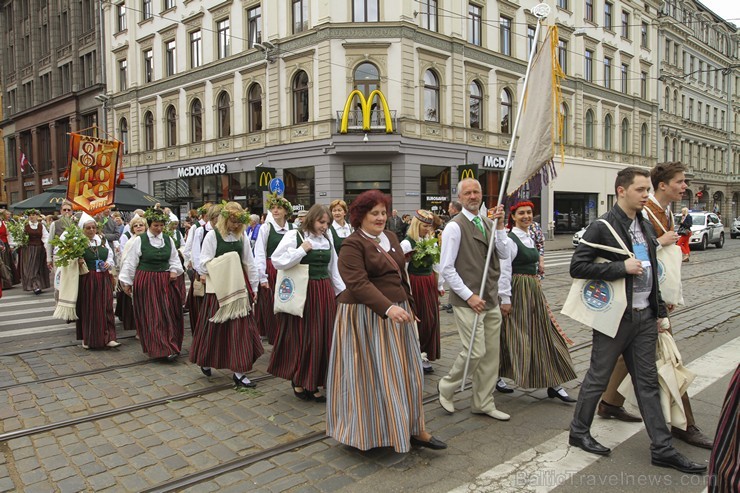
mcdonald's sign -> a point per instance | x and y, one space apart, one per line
264 176
467 171
366 107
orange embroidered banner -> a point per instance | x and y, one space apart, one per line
92 172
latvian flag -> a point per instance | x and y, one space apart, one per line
24 162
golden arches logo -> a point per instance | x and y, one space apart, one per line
365 105
467 173
265 178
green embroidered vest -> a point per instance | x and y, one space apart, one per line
223 246
154 259
95 253
423 270
526 259
317 260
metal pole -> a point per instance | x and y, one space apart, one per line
541 11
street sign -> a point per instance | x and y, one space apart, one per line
277 186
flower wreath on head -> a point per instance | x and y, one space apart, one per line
242 217
276 200
154 214
32 211
203 209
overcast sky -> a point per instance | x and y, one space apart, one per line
727 9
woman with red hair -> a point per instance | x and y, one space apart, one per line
534 350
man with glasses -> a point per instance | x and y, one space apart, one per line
55 231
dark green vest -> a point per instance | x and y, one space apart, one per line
526 260
223 246
317 260
337 239
154 259
95 253
177 238
423 270
273 240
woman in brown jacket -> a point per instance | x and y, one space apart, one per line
375 381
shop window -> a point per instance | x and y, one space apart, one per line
431 96
476 105
435 188
254 111
196 121
300 98
359 178
299 186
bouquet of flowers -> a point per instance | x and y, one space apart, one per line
426 252
71 247
17 229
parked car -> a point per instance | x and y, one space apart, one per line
577 237
707 228
735 230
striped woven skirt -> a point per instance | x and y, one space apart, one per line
233 345
158 313
193 304
267 320
96 324
375 382
301 351
8 272
180 284
34 271
534 351
426 298
724 463
125 310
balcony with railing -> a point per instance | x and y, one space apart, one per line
377 122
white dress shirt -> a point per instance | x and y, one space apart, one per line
287 254
260 246
208 253
451 237
504 281
342 231
131 262
198 239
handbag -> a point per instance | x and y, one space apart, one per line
597 303
199 289
669 269
291 286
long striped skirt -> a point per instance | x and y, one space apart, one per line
96 324
158 313
125 310
180 285
375 385
8 272
724 463
193 305
534 351
233 345
426 298
267 320
34 271
301 351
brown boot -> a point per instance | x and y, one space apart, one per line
692 436
606 410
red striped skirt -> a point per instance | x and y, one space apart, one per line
193 305
265 316
302 347
125 310
158 313
426 298
96 324
724 463
180 284
233 345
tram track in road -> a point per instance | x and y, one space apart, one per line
50 347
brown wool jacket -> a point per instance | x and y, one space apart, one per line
370 277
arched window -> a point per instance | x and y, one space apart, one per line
507 102
625 136
667 100
148 131
674 150
300 97
367 78
431 96
224 114
123 132
254 102
590 129
476 105
666 145
196 121
171 126
566 123
675 102
608 133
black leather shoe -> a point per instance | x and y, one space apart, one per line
316 397
239 382
433 443
616 412
205 371
503 388
173 357
679 462
693 436
302 394
552 393
589 444
428 369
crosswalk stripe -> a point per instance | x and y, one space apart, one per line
36 330
548 465
556 264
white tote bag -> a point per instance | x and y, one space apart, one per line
597 303
669 269
291 286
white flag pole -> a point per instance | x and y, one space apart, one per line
541 11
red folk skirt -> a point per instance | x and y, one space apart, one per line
267 320
96 324
426 298
158 313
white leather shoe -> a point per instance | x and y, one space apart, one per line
85 346
446 404
495 414
113 344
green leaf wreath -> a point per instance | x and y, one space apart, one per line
17 229
72 246
426 253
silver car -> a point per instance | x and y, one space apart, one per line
707 228
577 237
735 230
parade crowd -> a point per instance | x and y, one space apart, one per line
348 299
